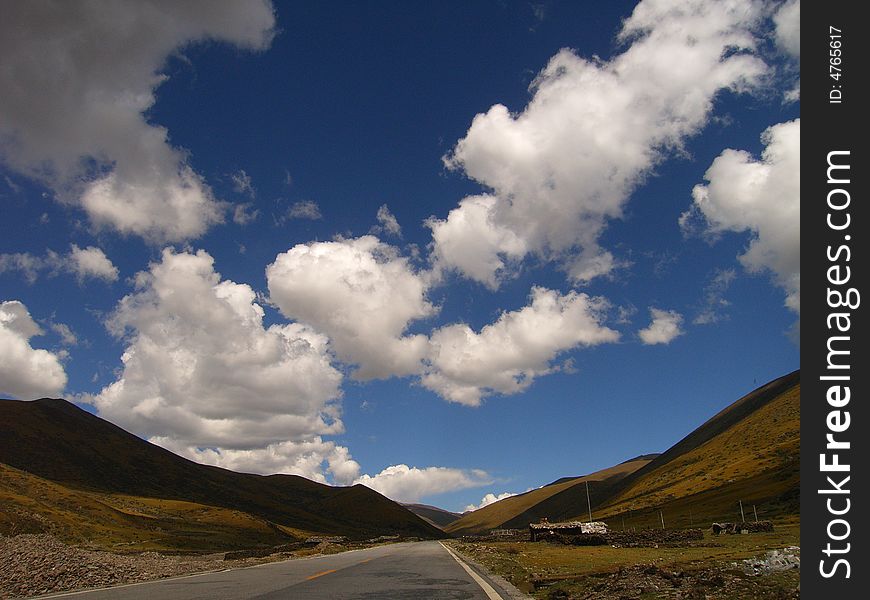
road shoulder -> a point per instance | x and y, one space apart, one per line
502 585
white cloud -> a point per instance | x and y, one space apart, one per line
409 484
387 222
91 262
242 183
26 372
762 197
470 241
664 328
66 334
487 500
245 213
787 32
507 356
28 264
304 209
83 263
311 458
566 164
714 298
203 376
360 293
77 80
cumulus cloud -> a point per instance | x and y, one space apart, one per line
487 500
201 374
762 197
472 242
78 79
26 372
664 328
409 484
506 356
360 293
312 458
566 164
787 32
90 262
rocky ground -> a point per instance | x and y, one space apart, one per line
775 576
649 581
34 564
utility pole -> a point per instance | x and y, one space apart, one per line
661 516
742 518
756 513
588 503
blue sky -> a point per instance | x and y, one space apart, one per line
445 251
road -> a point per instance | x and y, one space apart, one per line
399 571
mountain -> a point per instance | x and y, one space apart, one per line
59 457
556 501
748 452
437 516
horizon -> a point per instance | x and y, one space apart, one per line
451 253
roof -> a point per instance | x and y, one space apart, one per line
585 527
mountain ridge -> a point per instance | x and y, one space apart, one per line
56 441
757 436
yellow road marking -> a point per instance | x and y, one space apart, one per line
367 560
321 574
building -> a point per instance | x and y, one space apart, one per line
545 528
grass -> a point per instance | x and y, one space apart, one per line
123 523
522 563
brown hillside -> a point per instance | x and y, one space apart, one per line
432 514
555 501
719 423
749 452
56 441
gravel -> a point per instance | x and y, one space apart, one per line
34 564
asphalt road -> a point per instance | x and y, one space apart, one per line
409 571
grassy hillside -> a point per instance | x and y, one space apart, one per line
558 500
749 452
31 504
81 454
432 514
